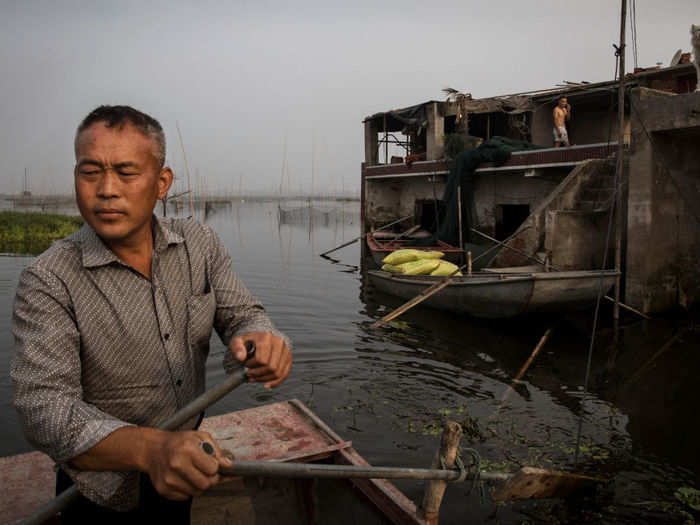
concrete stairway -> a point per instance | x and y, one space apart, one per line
570 223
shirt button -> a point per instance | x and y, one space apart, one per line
178 382
166 336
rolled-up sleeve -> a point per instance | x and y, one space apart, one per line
46 372
237 310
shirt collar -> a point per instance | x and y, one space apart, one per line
96 252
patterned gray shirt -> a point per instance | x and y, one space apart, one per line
98 346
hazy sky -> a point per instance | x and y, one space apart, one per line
241 78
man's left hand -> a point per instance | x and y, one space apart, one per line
272 361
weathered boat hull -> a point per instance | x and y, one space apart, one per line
286 431
502 295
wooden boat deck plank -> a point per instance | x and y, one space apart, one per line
279 432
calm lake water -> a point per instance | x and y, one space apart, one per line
388 390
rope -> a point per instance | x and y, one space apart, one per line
476 478
633 27
464 470
594 329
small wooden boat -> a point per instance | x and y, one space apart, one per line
280 432
381 249
502 294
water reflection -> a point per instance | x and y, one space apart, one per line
389 389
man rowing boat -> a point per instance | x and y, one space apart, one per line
112 328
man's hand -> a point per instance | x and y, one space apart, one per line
272 361
175 461
179 468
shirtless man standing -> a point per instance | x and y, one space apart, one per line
562 113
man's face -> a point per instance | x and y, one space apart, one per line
118 182
562 102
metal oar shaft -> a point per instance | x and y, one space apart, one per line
199 404
312 470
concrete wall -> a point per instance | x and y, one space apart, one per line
576 238
389 199
502 188
663 245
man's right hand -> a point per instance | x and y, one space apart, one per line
175 461
179 468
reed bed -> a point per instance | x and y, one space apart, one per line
30 232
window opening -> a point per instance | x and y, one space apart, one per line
509 217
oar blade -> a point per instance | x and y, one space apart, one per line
536 483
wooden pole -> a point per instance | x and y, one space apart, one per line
524 368
187 168
459 218
469 263
360 237
435 489
620 169
386 142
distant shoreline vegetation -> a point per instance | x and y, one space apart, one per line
32 233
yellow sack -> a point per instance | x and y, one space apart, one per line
421 267
445 268
429 255
400 257
392 269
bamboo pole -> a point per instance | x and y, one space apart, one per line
459 218
620 171
360 237
435 489
525 366
187 168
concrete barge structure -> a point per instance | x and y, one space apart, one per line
555 203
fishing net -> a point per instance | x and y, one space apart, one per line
497 151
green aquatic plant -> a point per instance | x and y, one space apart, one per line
34 232
689 496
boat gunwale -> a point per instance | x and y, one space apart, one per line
488 278
442 246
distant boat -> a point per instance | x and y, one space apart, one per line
380 248
502 293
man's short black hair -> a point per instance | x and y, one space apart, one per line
119 116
